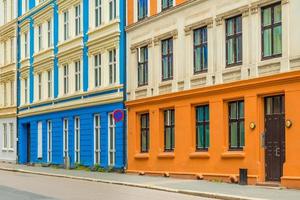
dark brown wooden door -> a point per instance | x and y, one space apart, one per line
275 137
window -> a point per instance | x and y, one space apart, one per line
66 79
5 52
49 136
5 94
97 139
12 93
165 4
77 20
40 140
169 125
65 137
49 83
25 90
40 86
40 37
5 137
271 31
12 49
26 45
49 33
66 25
77 76
167 59
112 66
143 66
142 9
4 11
145 132
26 6
234 41
200 50
77 140
202 127
12 140
112 142
97 70
236 125
98 13
112 9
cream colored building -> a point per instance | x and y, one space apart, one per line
8 141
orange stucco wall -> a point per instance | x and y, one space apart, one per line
218 162
153 9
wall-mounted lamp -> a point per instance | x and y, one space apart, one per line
288 123
252 125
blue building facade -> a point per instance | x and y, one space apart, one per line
71 78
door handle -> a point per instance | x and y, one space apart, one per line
277 152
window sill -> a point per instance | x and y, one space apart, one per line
199 155
141 156
167 82
233 155
166 155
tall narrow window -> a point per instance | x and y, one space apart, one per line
5 53
234 43
12 50
200 50
112 142
40 140
49 139
4 11
40 37
77 76
25 90
66 79
11 136
97 139
26 44
49 33
40 86
143 66
77 140
165 4
97 70
112 9
26 5
77 20
12 93
167 59
112 66
5 94
49 83
169 129
271 31
236 125
145 132
5 136
142 9
98 12
202 127
66 25
66 137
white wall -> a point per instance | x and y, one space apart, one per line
8 154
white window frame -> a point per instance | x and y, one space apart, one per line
97 70
49 83
26 90
25 44
5 11
112 15
98 10
65 137
40 37
77 142
49 141
12 48
5 137
111 136
40 140
112 66
5 52
40 85
77 19
12 93
5 94
77 76
49 33
97 130
11 137
66 79
66 33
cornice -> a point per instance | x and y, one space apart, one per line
66 4
205 22
143 43
171 34
261 3
8 30
243 10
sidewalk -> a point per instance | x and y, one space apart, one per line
193 187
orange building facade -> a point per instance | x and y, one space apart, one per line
211 124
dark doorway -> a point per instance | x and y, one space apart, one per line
275 137
28 142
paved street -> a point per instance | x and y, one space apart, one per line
19 186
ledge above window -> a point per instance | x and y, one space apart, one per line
206 22
233 155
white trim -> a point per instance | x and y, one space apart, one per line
111 136
40 140
97 152
65 137
49 141
77 142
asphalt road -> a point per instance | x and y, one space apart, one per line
19 186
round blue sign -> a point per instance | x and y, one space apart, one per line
118 115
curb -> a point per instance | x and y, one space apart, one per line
164 189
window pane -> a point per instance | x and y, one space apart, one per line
267 42
205 52
230 54
277 14
144 141
242 134
197 37
277 39
267 18
206 113
197 59
200 141
173 138
233 132
241 109
207 135
233 110
230 27
168 138
238 24
239 49
269 106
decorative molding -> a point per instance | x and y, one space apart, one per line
171 34
147 42
206 22
258 4
244 10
